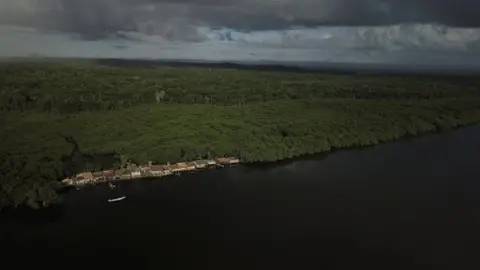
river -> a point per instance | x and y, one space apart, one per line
412 204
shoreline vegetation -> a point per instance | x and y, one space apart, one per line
180 114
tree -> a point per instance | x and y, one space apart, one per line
124 161
160 95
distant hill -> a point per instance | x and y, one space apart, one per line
303 67
331 68
246 65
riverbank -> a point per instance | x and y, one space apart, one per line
157 171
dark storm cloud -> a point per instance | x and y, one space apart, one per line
176 19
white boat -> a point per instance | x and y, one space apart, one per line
117 199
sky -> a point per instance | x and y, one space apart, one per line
443 32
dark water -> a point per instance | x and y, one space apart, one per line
406 205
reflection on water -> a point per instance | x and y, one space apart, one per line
404 205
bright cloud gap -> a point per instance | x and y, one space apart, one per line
402 44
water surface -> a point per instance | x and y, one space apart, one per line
405 205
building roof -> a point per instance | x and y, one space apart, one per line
85 175
108 173
227 159
97 174
222 160
201 162
121 172
160 167
182 165
173 166
67 180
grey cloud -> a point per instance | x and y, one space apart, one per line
54 45
462 13
390 38
177 19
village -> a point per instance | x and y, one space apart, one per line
133 171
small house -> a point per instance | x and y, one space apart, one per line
234 160
211 162
179 167
182 166
200 164
126 176
109 175
136 174
159 170
121 172
145 167
228 160
222 160
67 181
97 175
82 181
160 167
190 166
173 167
85 175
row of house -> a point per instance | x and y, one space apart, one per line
166 169
148 170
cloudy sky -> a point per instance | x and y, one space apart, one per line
385 31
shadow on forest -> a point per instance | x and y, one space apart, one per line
78 162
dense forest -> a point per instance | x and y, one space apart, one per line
180 113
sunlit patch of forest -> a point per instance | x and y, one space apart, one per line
170 114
